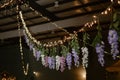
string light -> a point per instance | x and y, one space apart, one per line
38 42
112 1
108 10
6 4
25 69
46 18
95 19
118 1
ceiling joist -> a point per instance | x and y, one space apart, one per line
43 10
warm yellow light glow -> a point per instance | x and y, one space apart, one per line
81 74
94 16
78 11
111 0
86 1
118 1
37 74
109 9
76 3
84 75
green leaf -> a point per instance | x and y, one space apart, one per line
53 51
46 51
95 41
64 50
98 37
115 16
85 38
75 44
99 28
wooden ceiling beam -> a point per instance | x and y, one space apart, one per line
43 10
83 6
76 15
60 3
15 14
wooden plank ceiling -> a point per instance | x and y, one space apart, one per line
66 9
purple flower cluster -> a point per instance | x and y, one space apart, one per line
76 58
69 60
100 52
62 64
51 62
46 61
27 40
113 41
37 54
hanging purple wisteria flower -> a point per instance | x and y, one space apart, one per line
85 56
62 64
76 58
46 61
51 62
27 40
113 41
25 37
31 46
100 51
69 60
37 54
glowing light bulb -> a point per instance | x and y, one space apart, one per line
111 0
118 1
109 9
94 16
37 74
106 12
84 75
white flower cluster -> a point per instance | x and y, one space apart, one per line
85 56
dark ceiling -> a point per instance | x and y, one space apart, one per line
66 10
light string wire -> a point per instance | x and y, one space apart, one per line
26 29
95 20
6 4
38 42
25 69
49 44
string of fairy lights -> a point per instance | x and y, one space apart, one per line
7 3
25 68
95 19
38 42
46 18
